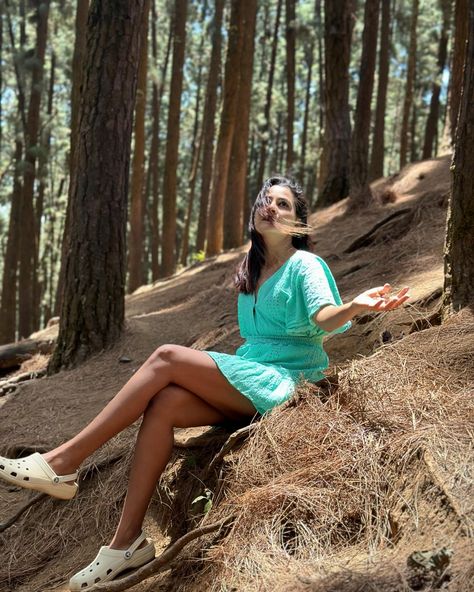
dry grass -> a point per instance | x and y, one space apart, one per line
351 486
333 491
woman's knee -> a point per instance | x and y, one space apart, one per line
165 404
164 355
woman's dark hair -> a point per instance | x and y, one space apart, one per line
248 272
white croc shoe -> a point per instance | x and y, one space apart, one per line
109 563
33 472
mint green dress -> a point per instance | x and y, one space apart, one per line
282 342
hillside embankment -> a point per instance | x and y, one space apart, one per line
361 483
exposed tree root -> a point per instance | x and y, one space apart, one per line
235 438
163 561
10 385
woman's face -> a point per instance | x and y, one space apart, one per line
281 207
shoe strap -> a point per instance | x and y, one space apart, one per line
133 547
63 478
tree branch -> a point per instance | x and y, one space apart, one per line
161 562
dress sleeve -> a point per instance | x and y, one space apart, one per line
319 289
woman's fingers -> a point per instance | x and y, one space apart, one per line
395 302
402 292
378 291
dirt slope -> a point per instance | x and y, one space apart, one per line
197 308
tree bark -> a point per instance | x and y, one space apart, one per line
156 102
29 240
309 58
78 58
137 205
334 174
92 310
10 263
209 124
215 227
431 129
45 142
196 147
2 7
265 131
409 88
378 139
237 180
360 193
168 250
459 246
290 80
459 55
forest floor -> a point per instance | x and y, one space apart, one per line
340 488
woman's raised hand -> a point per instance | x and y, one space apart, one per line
379 299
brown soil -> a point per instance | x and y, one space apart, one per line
332 492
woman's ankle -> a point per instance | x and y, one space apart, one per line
61 462
124 540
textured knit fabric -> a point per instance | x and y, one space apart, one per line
282 342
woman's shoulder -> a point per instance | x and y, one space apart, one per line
308 259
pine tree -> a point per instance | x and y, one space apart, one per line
92 310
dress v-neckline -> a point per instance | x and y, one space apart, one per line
257 291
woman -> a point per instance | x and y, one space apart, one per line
288 301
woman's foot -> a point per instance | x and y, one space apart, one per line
109 563
34 472
123 541
59 462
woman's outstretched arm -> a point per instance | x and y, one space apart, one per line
331 317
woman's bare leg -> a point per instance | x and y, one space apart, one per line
174 406
189 368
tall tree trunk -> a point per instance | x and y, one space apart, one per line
196 146
413 136
459 246
431 130
265 131
215 227
320 171
209 124
410 84
168 250
337 127
155 147
191 194
290 79
78 59
41 284
378 139
10 263
2 7
309 58
29 241
92 310
459 54
360 193
16 62
237 179
137 214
